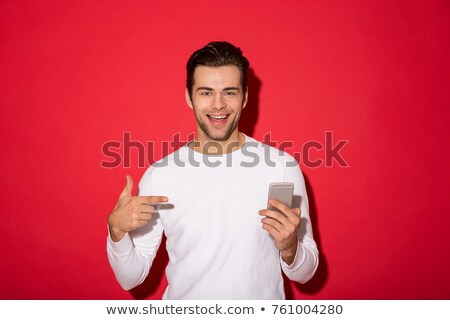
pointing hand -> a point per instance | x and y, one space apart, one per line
131 212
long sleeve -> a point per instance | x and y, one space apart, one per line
307 256
132 257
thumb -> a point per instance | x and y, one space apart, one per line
126 192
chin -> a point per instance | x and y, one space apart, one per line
218 137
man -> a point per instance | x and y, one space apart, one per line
222 243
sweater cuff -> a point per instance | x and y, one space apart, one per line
122 247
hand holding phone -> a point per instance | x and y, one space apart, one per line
280 226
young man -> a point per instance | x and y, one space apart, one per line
222 242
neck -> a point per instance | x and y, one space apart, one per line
204 144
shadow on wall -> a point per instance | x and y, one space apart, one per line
249 115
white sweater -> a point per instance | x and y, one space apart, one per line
216 245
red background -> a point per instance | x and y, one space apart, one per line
77 74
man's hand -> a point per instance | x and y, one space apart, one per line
283 228
131 212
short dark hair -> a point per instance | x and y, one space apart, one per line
217 54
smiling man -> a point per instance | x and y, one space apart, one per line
221 241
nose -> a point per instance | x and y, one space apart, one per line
218 102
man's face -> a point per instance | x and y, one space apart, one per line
217 101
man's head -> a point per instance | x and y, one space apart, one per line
216 89
217 54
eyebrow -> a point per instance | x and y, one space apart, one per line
224 89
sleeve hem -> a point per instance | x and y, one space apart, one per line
120 247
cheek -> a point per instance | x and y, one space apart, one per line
196 105
200 108
201 103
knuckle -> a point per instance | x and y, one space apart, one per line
133 224
291 229
136 224
135 215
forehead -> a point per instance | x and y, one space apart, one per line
217 77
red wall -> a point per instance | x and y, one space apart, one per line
77 74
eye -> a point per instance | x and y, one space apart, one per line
205 93
230 93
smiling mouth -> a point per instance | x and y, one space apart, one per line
218 119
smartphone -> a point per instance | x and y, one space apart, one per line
282 192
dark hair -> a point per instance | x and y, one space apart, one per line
217 54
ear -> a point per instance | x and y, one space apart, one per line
188 99
245 99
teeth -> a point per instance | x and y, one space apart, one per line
218 118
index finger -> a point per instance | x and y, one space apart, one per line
152 199
282 207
